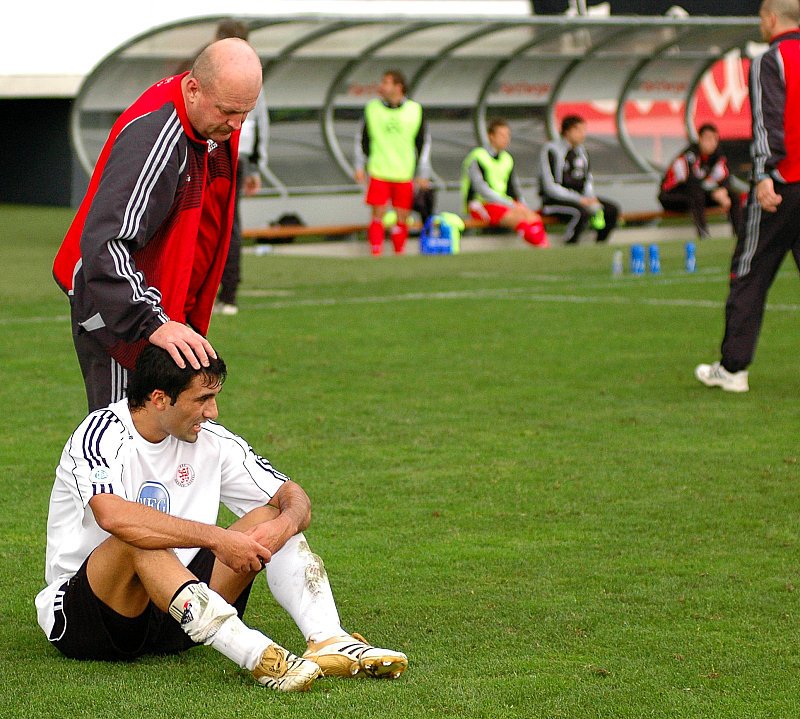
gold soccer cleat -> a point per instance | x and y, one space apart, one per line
281 670
352 656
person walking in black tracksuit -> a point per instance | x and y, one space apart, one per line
774 203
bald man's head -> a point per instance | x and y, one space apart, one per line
222 88
786 9
778 16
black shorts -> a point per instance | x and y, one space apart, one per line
86 628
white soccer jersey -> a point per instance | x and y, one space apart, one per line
106 454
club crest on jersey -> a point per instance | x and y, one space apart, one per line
101 484
99 475
184 475
155 495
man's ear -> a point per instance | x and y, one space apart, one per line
159 399
192 88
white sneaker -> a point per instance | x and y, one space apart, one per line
223 308
352 656
715 375
279 669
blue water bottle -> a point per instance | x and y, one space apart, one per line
691 258
637 259
655 259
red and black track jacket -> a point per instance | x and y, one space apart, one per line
775 103
150 238
711 171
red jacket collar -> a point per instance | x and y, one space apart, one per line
180 105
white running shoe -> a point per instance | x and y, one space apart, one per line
352 656
224 308
279 669
715 375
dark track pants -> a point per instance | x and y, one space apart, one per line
231 275
691 197
106 380
767 239
576 217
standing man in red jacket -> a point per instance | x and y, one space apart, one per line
143 258
774 204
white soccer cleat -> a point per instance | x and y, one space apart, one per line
352 656
715 375
279 669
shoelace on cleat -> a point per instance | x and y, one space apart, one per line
273 662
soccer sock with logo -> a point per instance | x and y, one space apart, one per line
208 619
298 581
375 236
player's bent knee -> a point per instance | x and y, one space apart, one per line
512 218
255 516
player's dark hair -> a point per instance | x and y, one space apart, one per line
232 28
707 127
397 78
155 369
569 122
494 124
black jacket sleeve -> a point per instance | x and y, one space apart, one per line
768 105
134 196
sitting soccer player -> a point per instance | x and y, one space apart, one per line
136 564
491 191
699 178
567 185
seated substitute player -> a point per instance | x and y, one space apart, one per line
699 178
567 188
491 191
136 564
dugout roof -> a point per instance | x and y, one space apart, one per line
319 72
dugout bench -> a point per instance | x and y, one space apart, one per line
289 232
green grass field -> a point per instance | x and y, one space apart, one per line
515 479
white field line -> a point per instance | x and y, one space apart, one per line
518 294
522 294
718 273
9 321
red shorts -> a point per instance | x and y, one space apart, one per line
495 212
380 192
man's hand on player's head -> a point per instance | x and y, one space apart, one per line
183 344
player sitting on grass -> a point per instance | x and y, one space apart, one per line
136 564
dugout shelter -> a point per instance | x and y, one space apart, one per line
640 81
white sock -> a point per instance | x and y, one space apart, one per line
235 640
298 581
208 619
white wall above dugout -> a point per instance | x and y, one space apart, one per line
319 71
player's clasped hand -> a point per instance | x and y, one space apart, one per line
183 344
241 553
